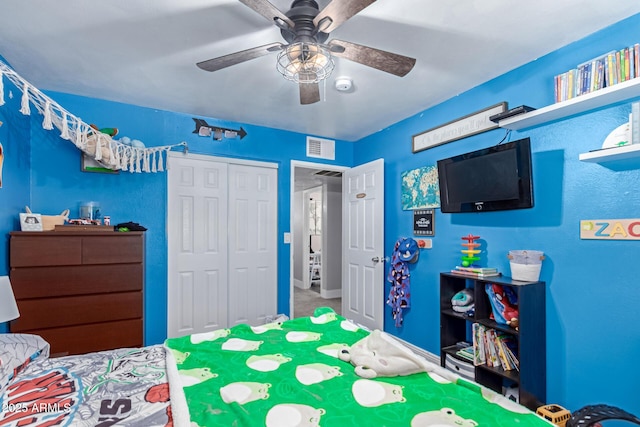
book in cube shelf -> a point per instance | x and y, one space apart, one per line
466 353
493 348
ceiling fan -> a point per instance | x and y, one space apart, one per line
306 58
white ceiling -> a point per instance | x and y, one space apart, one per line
143 52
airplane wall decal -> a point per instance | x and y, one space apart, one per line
205 129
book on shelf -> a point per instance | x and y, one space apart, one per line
479 354
611 68
493 348
635 123
476 271
466 353
481 270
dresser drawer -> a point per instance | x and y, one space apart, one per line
31 249
89 338
112 249
45 282
78 310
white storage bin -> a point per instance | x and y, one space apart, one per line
525 265
464 369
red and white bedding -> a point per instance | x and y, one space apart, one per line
123 387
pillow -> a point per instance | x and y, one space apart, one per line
16 352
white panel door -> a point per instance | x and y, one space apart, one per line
197 242
363 241
253 228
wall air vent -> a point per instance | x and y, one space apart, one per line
321 148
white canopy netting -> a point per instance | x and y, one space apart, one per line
102 147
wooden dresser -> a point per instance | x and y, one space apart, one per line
80 291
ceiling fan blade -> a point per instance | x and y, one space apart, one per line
272 13
225 61
309 93
337 12
379 59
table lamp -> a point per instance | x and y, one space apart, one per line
8 306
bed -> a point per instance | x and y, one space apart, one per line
124 387
289 373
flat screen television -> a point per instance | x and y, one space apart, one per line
492 179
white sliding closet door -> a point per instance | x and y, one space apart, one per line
253 238
197 241
222 244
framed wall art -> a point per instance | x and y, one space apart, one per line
423 222
454 130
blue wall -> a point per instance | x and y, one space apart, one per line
592 285
14 194
592 294
57 182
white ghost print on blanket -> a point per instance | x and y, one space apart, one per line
179 356
244 392
274 326
267 362
371 393
324 318
239 344
190 377
301 336
443 418
209 336
332 349
314 373
294 415
349 326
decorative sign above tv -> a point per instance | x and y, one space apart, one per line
463 127
491 179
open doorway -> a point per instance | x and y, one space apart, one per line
316 231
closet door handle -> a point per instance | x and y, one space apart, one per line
377 259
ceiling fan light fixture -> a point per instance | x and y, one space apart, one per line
305 62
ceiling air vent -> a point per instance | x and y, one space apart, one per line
321 148
332 174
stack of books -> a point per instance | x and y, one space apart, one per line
466 353
603 71
476 271
494 348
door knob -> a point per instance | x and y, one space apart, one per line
378 259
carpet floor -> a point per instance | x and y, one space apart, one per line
307 300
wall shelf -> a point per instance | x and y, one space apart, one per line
611 154
608 96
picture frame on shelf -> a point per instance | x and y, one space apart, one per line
30 222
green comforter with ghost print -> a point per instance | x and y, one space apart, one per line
289 374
